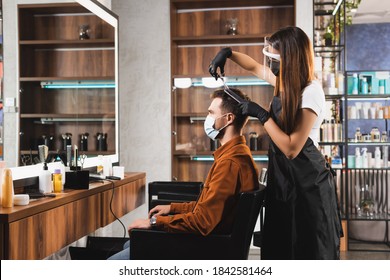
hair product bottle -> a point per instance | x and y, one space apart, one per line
7 189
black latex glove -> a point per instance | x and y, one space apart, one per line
253 109
219 61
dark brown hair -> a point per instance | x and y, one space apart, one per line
229 105
296 72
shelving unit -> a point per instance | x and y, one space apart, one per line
337 82
1 80
81 73
368 186
198 32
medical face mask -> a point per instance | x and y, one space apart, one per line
271 60
274 66
209 129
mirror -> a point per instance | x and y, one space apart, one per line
68 82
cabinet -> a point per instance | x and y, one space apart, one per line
67 75
199 29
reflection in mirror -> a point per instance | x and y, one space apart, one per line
68 83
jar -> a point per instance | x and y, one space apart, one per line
375 135
57 181
384 136
253 141
358 135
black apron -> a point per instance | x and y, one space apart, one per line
301 214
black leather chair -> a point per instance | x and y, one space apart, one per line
159 245
165 192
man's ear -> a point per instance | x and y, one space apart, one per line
231 117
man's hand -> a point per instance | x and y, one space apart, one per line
140 223
219 62
160 210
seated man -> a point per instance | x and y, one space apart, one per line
233 172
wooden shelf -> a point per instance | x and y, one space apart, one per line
206 4
90 43
78 78
66 116
90 152
220 39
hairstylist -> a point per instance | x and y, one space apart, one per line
301 214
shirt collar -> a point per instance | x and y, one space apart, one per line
228 145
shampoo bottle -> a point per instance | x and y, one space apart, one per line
45 184
355 84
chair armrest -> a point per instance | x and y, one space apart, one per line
159 245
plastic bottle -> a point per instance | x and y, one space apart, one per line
57 181
7 189
364 86
59 164
45 184
2 166
100 165
355 84
364 158
358 158
377 163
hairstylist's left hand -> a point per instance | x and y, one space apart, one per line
253 109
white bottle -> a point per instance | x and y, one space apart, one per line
45 183
364 158
358 158
377 163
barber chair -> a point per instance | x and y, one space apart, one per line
159 193
159 245
166 192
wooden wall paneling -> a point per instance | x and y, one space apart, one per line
47 27
192 136
193 170
195 61
258 20
125 198
42 234
192 100
74 63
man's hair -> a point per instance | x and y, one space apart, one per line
229 105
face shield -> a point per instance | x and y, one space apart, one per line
271 58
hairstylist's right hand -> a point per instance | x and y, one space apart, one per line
249 108
219 61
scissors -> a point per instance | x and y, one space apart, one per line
82 160
231 93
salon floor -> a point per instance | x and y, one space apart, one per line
254 254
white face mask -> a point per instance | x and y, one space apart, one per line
209 129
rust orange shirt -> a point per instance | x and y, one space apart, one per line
233 171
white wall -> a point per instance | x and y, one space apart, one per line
144 78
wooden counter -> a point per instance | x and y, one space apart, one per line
46 225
